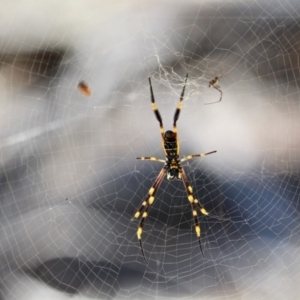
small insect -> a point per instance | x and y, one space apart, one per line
214 83
172 168
84 88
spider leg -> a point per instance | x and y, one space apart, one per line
150 197
140 230
146 204
158 116
191 196
194 202
151 158
219 89
177 112
196 155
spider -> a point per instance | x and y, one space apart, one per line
171 168
214 83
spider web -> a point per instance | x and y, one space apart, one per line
70 181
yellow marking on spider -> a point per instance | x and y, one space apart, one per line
191 198
197 228
145 214
179 106
190 189
163 143
137 214
203 210
151 191
194 213
151 199
154 107
139 233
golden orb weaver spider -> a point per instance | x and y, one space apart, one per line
172 169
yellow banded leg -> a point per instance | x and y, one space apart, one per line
196 155
201 208
158 116
140 230
192 199
194 203
151 158
197 226
179 106
151 193
177 112
146 205
191 196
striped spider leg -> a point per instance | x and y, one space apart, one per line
194 203
146 205
172 168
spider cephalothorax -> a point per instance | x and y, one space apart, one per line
172 169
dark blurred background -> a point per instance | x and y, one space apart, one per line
69 179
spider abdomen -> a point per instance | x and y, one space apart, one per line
174 173
173 168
